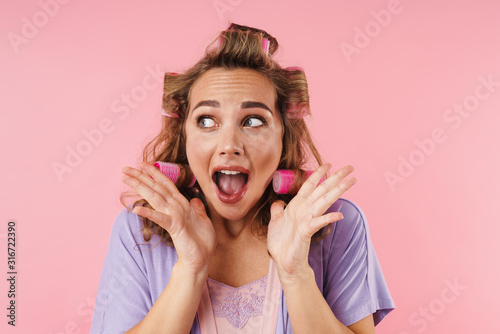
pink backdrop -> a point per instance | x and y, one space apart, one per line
406 91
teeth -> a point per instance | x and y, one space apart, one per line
229 172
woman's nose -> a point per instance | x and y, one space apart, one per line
230 141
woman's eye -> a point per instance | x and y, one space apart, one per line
206 122
253 122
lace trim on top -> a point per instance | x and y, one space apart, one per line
237 305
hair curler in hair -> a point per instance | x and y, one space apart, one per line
175 172
283 180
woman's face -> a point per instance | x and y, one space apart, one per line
233 138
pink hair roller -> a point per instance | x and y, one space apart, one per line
283 180
265 45
294 68
172 171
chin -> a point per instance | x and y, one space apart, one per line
232 212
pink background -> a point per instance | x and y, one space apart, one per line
65 69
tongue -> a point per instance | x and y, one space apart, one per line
231 184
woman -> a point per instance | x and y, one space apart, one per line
229 254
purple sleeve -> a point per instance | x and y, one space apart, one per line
347 269
123 298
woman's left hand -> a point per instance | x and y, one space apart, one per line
291 228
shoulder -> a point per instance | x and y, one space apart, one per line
127 227
128 248
128 231
354 222
349 209
348 235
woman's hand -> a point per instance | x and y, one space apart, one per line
187 223
291 228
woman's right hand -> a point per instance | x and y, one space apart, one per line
186 221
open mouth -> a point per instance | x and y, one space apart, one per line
230 185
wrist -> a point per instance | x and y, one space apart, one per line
195 275
297 278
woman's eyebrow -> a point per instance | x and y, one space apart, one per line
244 105
253 104
208 103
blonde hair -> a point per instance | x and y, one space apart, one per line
237 47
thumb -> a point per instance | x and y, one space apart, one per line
198 207
277 209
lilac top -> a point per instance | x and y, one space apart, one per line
251 308
347 271
237 305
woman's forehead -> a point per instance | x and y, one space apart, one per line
233 83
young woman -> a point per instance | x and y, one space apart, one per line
229 255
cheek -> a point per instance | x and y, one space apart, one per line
268 151
196 152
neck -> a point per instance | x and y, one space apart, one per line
235 230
